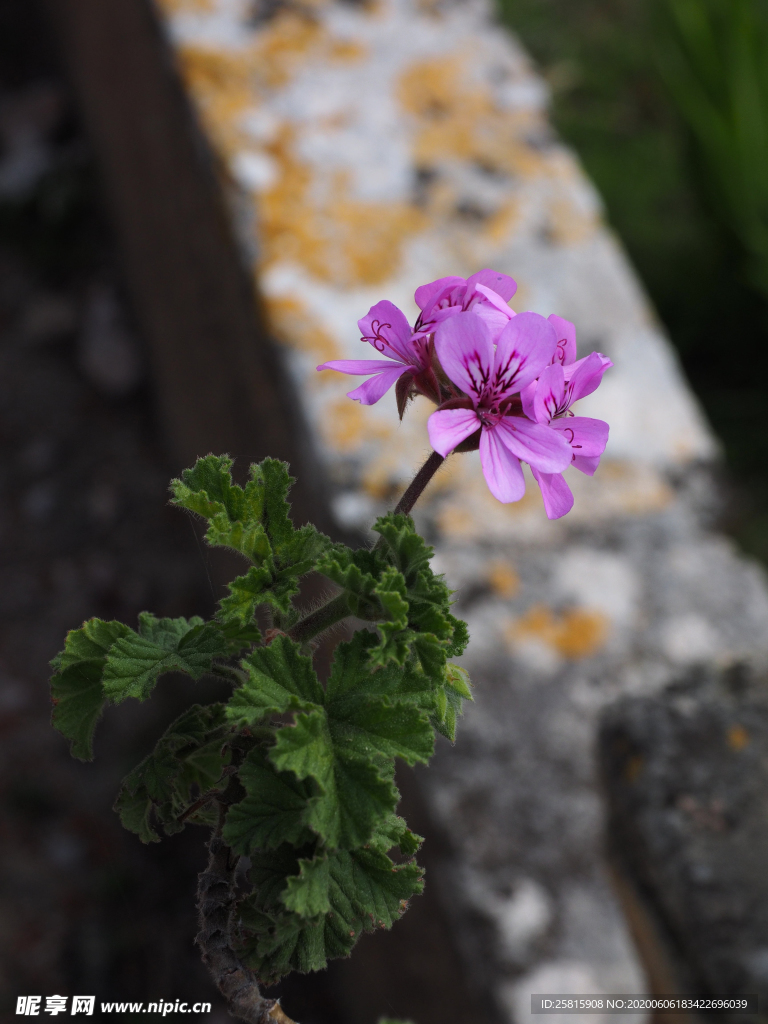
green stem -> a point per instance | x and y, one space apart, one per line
320 619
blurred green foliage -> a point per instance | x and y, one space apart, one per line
713 55
622 75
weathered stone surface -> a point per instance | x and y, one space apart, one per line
375 147
687 776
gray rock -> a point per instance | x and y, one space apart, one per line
687 776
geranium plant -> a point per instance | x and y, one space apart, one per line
295 774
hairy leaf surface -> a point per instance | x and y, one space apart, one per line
76 687
187 757
323 906
280 678
274 809
254 521
136 660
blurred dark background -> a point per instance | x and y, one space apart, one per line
667 106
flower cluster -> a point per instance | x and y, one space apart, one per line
503 382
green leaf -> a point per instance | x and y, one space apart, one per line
306 894
353 794
353 672
393 831
457 678
247 592
273 811
460 637
282 925
276 481
405 548
455 690
239 635
207 489
305 748
273 940
355 675
363 725
280 678
136 660
255 521
273 945
429 599
76 687
362 886
376 890
188 756
357 573
431 655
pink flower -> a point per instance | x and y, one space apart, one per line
485 293
409 352
385 327
565 353
490 380
548 401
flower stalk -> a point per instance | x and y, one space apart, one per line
417 486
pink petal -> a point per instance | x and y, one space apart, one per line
556 493
502 471
502 284
355 366
385 327
525 346
535 443
586 463
527 396
449 427
570 368
584 435
487 296
426 295
549 394
438 315
465 350
372 390
587 376
494 318
566 339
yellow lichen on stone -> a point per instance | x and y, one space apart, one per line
457 119
503 579
282 47
382 479
293 325
568 225
628 488
340 240
346 50
501 224
456 522
576 633
173 7
346 427
738 738
219 81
